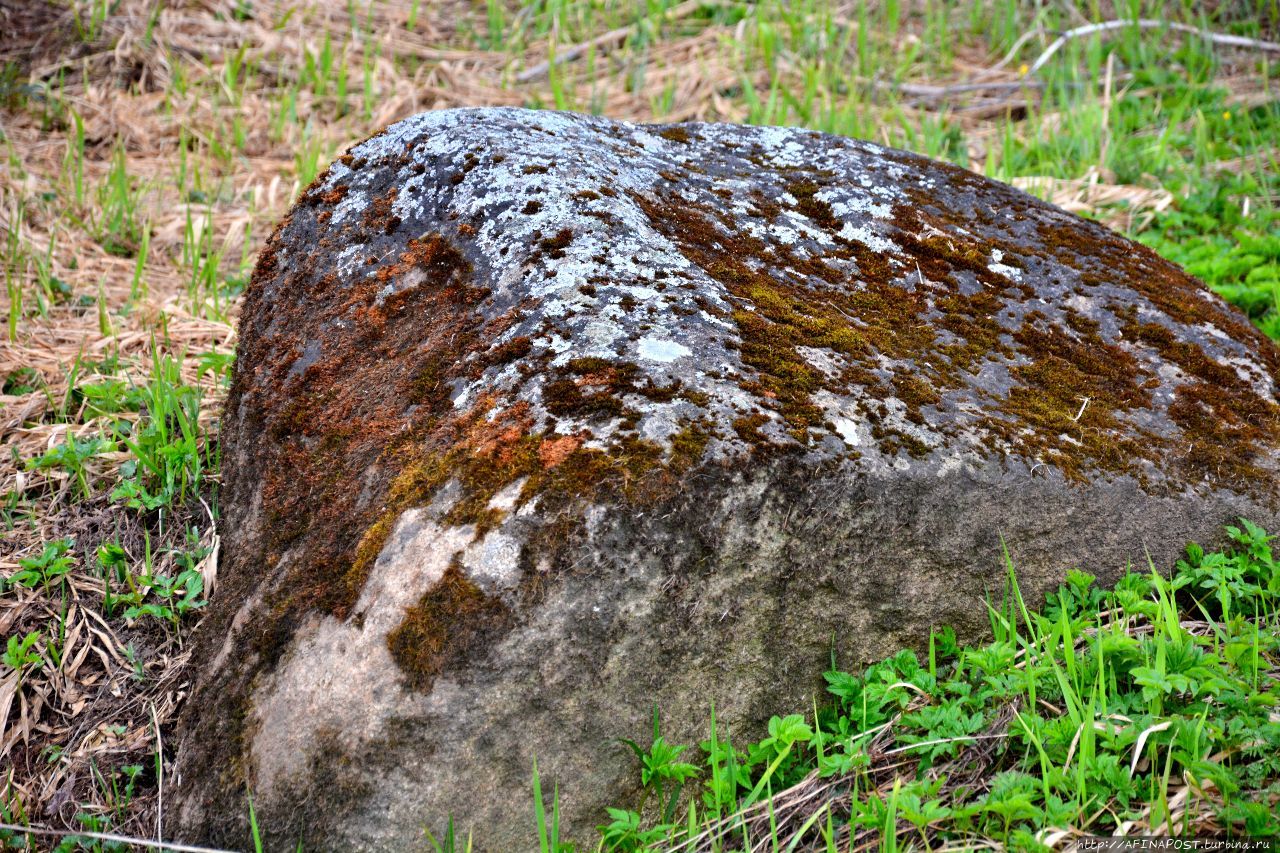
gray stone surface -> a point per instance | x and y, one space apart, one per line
539 419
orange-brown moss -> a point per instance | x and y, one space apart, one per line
594 387
689 445
893 440
1073 394
748 429
1223 446
513 350
378 216
816 209
329 432
914 392
555 245
553 451
333 196
942 284
1226 425
453 621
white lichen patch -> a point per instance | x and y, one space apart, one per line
339 676
848 430
508 497
865 235
493 561
859 206
351 204
830 363
348 258
659 349
1250 371
1003 269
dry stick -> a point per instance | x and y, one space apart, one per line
927 91
976 85
1148 24
542 68
911 746
160 766
1013 51
106 836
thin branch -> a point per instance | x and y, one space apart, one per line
106 836
966 738
542 68
924 90
1013 51
1148 24
155 722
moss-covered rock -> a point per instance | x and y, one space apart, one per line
539 419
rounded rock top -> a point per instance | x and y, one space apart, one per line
777 289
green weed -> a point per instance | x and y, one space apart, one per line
120 228
73 456
50 566
20 655
170 459
1080 714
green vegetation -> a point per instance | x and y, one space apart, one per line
143 160
1237 255
1146 709
169 456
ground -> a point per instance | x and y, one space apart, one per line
150 148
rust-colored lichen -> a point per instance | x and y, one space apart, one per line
554 451
327 431
816 209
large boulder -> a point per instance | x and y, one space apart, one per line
540 420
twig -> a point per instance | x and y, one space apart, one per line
912 746
1080 413
927 91
1013 51
160 771
542 68
1148 24
107 836
611 37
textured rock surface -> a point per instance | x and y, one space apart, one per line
539 419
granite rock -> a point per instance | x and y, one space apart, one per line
540 419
